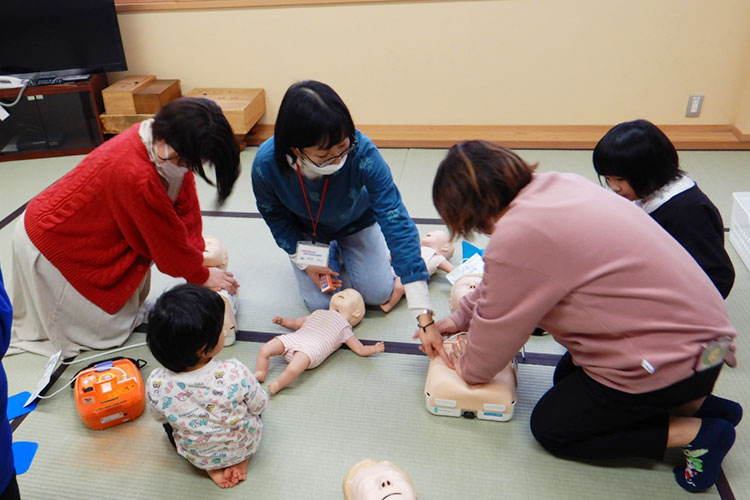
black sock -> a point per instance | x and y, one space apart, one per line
725 409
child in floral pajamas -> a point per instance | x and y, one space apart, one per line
210 408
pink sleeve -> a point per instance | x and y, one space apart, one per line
504 310
345 334
465 311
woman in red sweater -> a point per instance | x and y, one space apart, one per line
82 252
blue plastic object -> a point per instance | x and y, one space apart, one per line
104 366
15 405
23 454
467 250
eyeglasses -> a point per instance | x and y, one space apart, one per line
333 159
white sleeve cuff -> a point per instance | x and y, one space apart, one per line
301 267
417 296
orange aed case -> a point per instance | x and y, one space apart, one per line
110 393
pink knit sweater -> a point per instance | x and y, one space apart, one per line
108 219
602 277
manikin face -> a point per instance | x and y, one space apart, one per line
621 187
349 304
440 241
215 254
465 284
380 481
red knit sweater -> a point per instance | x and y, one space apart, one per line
108 219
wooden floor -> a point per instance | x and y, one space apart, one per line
684 137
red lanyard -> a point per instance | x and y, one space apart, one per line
320 207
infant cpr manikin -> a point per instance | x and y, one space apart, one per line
447 394
371 480
216 255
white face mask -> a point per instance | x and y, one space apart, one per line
170 172
327 170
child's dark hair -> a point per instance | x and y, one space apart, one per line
198 131
640 153
311 114
185 321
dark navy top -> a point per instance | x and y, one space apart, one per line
693 220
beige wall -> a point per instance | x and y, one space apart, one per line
494 62
742 122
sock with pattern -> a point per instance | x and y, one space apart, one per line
704 454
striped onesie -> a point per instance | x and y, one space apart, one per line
321 334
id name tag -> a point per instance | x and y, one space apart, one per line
312 254
712 355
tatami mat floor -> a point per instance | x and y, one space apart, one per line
350 407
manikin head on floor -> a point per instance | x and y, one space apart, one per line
371 480
440 241
350 304
463 285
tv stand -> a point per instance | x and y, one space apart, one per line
53 120
56 80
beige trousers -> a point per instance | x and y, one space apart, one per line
50 315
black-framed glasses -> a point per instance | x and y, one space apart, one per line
333 159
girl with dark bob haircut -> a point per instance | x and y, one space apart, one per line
639 153
311 114
639 163
85 245
476 182
645 330
319 181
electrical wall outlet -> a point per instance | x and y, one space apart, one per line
695 103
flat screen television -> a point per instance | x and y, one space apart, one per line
59 38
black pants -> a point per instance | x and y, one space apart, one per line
581 418
11 491
168 429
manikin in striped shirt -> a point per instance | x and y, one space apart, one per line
316 337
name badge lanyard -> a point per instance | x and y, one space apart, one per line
307 202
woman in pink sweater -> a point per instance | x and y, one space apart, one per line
83 250
646 330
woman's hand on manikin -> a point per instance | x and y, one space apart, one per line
219 280
432 342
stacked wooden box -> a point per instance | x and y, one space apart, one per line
137 98
242 107
134 99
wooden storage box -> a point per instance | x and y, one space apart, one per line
242 107
114 124
118 97
150 98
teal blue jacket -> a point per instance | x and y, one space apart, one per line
361 193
